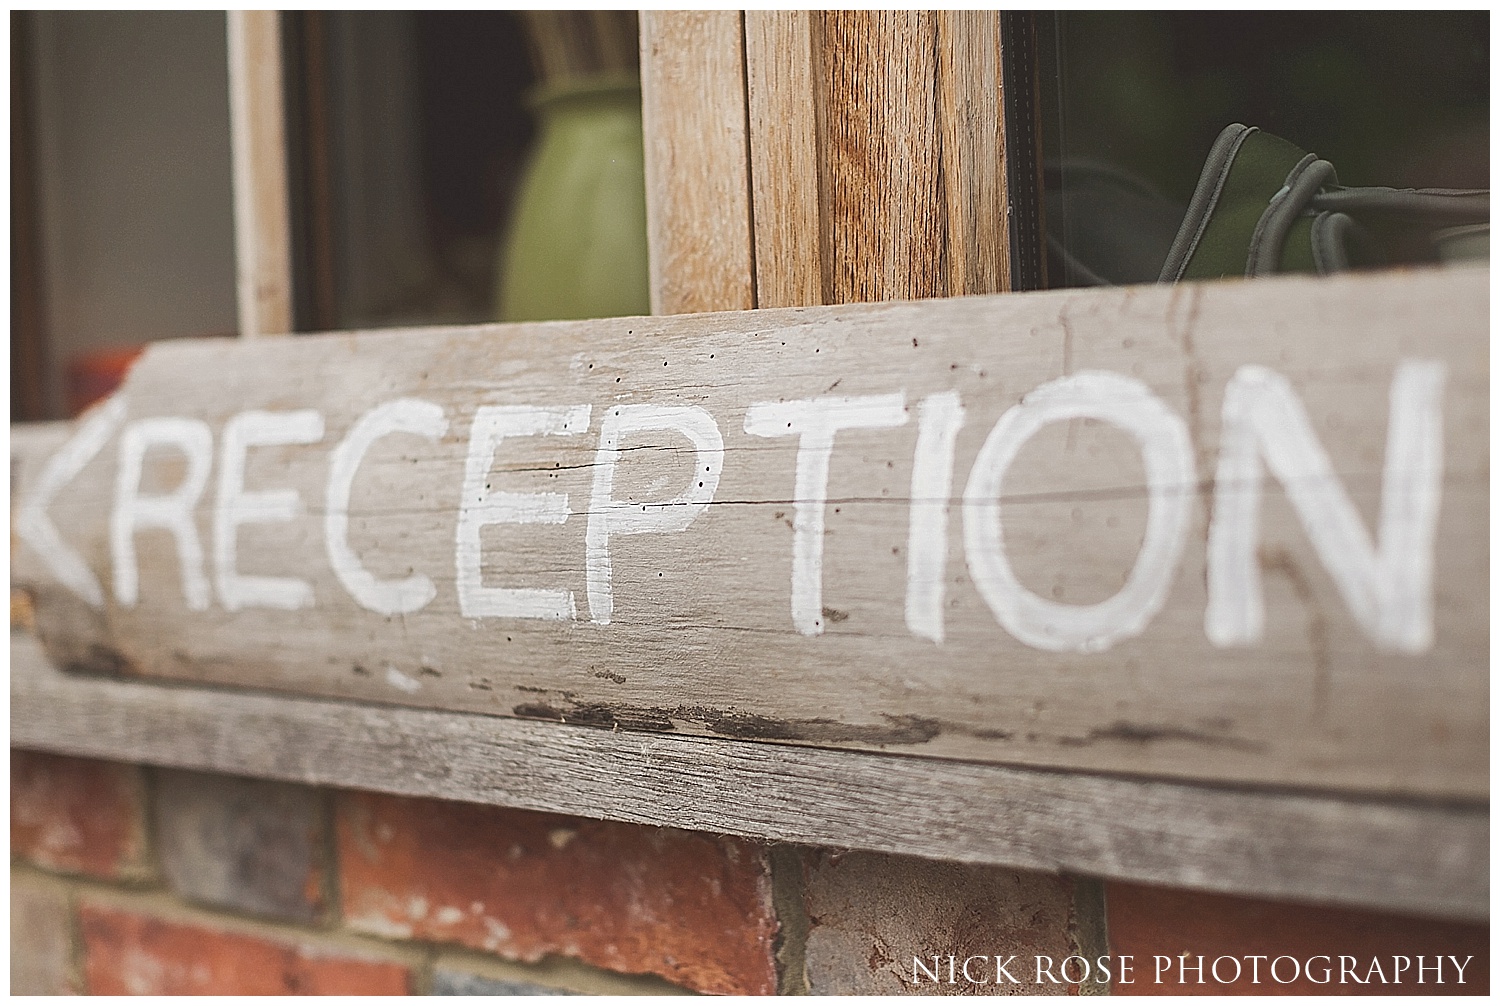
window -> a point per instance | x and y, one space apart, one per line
1133 101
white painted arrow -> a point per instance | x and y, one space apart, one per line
32 522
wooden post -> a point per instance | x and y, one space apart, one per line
971 122
781 67
697 161
878 156
876 153
262 219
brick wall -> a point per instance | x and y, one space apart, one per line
127 879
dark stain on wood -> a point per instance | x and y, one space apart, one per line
734 723
1146 733
101 661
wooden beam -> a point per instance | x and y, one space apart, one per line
257 134
782 69
883 156
697 161
878 155
971 125
616 522
1412 858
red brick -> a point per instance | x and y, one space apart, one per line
77 815
695 909
130 953
1146 921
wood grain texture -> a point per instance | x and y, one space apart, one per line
783 61
257 134
704 634
1424 859
971 123
697 161
884 156
878 156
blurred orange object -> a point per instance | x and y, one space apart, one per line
95 374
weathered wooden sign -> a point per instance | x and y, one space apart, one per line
1231 532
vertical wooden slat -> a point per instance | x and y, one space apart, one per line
878 155
782 70
697 162
262 226
883 153
971 121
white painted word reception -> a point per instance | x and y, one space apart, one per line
1198 532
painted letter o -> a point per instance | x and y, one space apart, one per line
1167 452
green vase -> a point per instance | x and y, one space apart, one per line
577 241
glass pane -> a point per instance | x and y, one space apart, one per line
1133 102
